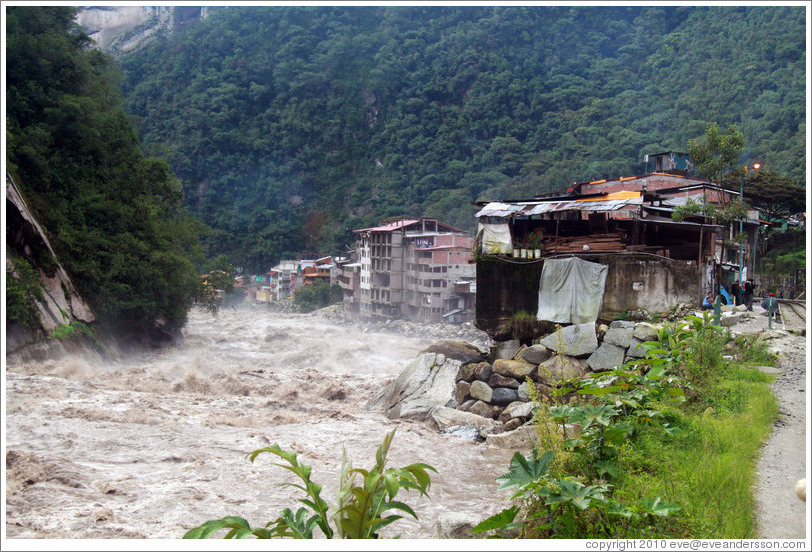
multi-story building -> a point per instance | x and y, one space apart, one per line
408 267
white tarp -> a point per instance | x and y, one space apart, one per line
571 290
495 238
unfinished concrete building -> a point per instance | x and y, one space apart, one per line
408 269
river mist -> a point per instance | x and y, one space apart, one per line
156 443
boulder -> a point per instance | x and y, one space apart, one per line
469 433
503 396
498 380
645 331
622 337
606 358
535 354
456 350
466 406
636 349
461 392
483 371
575 340
523 391
481 391
731 319
513 368
617 324
481 408
522 438
446 418
428 381
506 349
466 372
455 525
512 424
521 410
559 368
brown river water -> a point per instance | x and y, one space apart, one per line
152 445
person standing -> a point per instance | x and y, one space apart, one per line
770 304
737 292
749 289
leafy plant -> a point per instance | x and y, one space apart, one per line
362 510
22 290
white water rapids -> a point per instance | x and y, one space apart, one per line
155 444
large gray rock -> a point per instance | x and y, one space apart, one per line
535 354
607 357
469 433
456 350
521 410
645 331
523 391
522 438
559 368
481 408
503 396
513 368
575 340
498 380
466 372
427 381
461 392
483 371
481 391
506 349
622 337
446 418
621 324
455 525
636 349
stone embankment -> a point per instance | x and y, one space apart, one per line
483 394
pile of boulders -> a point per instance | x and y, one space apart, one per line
499 389
477 393
483 394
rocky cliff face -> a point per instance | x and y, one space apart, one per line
121 29
62 303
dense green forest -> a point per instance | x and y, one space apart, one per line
113 216
290 127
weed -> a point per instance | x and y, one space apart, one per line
361 510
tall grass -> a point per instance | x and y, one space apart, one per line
705 462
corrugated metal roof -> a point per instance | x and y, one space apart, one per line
389 227
526 209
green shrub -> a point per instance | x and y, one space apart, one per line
22 290
361 511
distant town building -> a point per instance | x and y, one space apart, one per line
408 269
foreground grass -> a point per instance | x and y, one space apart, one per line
692 421
709 468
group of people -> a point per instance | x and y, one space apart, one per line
741 294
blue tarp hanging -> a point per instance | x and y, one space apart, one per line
571 290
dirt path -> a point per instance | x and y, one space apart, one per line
784 459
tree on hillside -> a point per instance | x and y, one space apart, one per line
716 151
114 217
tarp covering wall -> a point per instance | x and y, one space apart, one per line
495 238
571 290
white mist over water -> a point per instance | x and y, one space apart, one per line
155 444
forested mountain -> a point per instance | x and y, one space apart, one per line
113 216
291 126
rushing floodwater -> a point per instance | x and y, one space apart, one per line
154 445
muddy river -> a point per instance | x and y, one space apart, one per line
153 445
